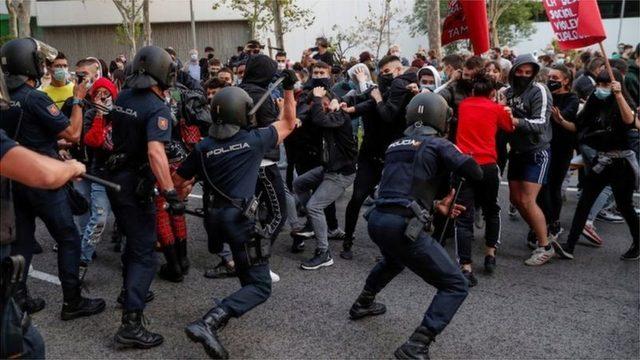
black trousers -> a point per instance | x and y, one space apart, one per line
550 196
368 174
621 177
483 194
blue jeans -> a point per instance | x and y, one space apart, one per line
100 208
84 188
425 257
603 201
229 226
137 220
52 207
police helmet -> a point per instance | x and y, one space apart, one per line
23 59
152 66
230 112
429 112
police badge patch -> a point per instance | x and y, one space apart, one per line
53 110
163 123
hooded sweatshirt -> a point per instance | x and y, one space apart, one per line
532 106
258 75
434 72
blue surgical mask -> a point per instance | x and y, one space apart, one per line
431 87
443 77
602 93
60 74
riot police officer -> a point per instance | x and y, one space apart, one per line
141 127
36 123
228 161
414 167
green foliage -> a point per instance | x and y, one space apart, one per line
6 38
121 34
417 20
516 23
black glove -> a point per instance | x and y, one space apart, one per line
290 79
176 206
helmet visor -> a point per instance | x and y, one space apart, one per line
45 51
4 93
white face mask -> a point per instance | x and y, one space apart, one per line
281 66
297 86
194 57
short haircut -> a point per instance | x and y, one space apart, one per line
321 65
585 57
171 51
215 62
453 60
495 63
387 59
595 64
619 64
281 53
565 71
227 70
215 83
322 41
483 85
240 48
86 62
60 56
474 63
208 48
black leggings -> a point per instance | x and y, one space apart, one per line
550 196
621 177
368 175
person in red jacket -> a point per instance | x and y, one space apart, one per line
479 119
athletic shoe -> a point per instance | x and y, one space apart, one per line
609 216
589 232
336 234
478 220
532 241
470 278
489 264
220 271
632 254
554 231
540 256
322 258
564 251
513 212
274 277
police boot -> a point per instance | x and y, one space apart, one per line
27 303
171 271
365 306
150 296
347 244
183 260
417 347
76 306
132 332
205 331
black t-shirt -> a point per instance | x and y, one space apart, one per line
568 106
600 125
232 164
138 117
325 58
38 118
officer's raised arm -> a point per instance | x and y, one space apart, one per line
287 122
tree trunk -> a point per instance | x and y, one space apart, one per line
132 28
24 19
13 17
493 30
147 23
277 24
433 26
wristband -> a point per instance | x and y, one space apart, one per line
77 101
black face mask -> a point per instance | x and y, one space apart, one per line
325 83
554 85
384 81
210 56
521 82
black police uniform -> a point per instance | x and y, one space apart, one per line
414 166
35 121
232 166
139 116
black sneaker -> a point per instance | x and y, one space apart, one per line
470 278
346 254
150 296
632 254
81 307
564 251
321 259
489 264
28 304
220 271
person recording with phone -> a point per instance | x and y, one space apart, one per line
320 52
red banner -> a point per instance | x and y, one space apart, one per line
467 19
576 23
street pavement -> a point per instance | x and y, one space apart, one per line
585 308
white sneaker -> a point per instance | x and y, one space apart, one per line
540 256
274 277
478 220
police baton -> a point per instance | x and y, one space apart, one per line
113 186
450 210
265 96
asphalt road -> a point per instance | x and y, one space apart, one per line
585 308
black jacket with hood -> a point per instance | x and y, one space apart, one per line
532 106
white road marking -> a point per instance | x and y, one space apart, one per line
569 189
43 276
195 196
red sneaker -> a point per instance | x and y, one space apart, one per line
592 236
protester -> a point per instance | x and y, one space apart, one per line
60 88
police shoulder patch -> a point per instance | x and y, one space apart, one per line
53 110
163 123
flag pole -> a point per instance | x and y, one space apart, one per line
606 61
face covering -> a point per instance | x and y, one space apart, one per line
281 66
384 81
108 103
297 86
521 82
194 57
210 56
560 61
60 74
430 87
602 93
324 82
554 85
